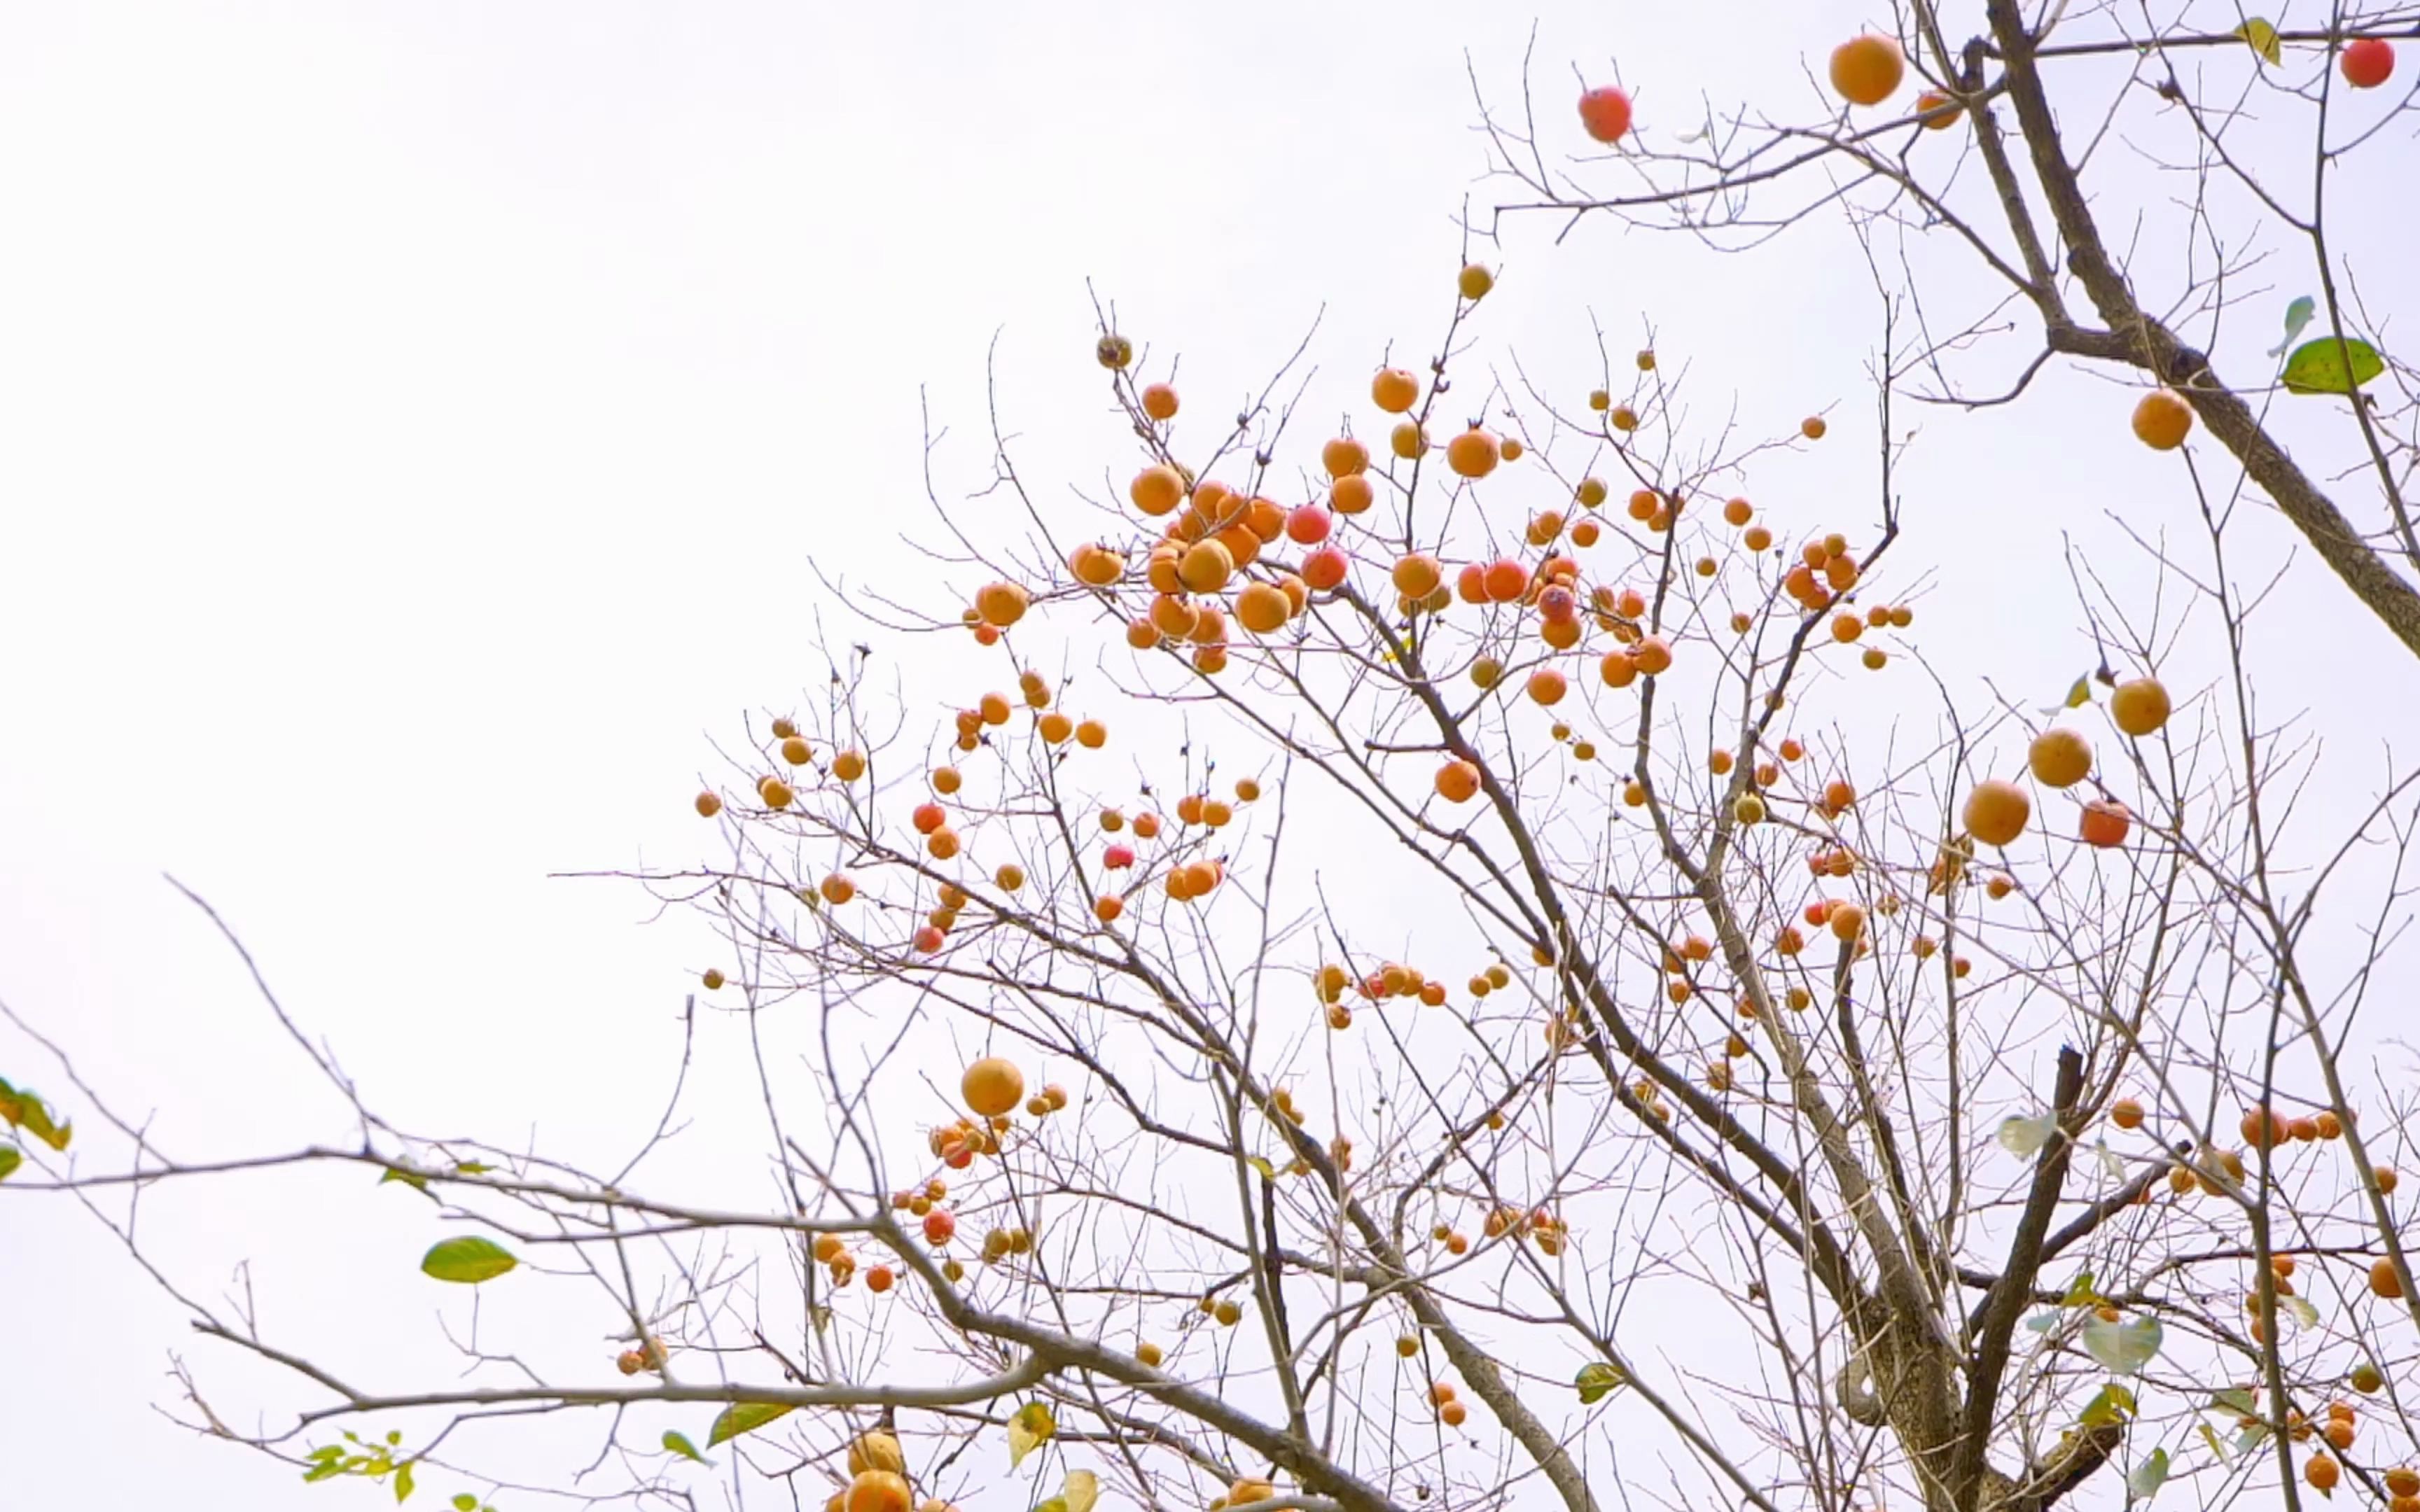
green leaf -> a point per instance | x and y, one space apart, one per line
10 1158
678 1444
1260 1163
1080 1492
743 1417
2217 1444
1056 1504
2318 367
324 1470
412 1179
2043 1321
466 1502
2023 1137
468 1261
403 1481
2146 1479
1599 1380
2111 1404
2080 1292
1028 1430
2300 1310
2122 1349
2262 39
2236 1400
2298 315
471 1167
22 1107
2252 1438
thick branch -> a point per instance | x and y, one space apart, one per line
2139 338
2009 1294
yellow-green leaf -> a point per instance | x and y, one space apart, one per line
1260 1163
22 1107
2125 1347
1028 1430
2113 1404
10 1158
403 1481
467 1261
677 1442
743 1417
1082 1490
1599 1380
2318 366
2262 39
2147 1478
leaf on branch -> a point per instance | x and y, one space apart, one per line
743 1417
2122 1349
2318 367
2111 1405
471 1167
2024 1137
2043 1321
1080 1492
468 1261
2111 1166
2146 1479
2080 1292
412 1179
1028 1430
2217 1444
2236 1400
465 1502
2298 315
10 1158
2262 39
1260 1163
677 1442
22 1107
403 1481
2252 1437
2300 1310
1598 1379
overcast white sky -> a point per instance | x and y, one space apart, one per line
416 423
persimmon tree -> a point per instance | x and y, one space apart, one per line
1456 954
2150 191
